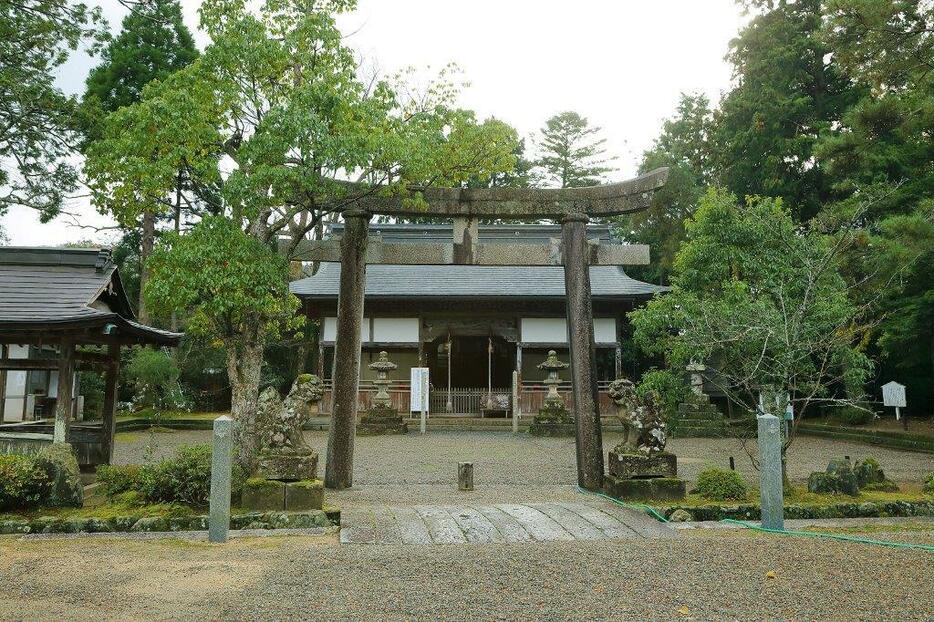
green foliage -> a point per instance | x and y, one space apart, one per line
186 478
154 375
789 92
684 147
721 485
668 386
153 43
574 155
929 483
36 38
226 282
24 483
851 415
92 388
762 302
117 480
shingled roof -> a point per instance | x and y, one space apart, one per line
607 282
57 288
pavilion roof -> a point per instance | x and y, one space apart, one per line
453 281
65 288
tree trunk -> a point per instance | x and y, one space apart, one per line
145 250
244 363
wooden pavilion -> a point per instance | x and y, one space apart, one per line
62 310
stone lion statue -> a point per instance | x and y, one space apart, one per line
644 429
283 450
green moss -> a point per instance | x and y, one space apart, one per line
721 485
308 483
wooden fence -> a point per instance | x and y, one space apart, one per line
469 402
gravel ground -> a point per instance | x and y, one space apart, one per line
710 575
415 469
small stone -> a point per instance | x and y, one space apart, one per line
680 516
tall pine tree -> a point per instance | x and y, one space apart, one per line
573 154
153 43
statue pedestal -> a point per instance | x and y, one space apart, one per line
643 476
288 467
381 419
554 419
698 418
274 495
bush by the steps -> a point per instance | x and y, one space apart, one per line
721 485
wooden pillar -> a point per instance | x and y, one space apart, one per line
109 414
346 382
66 381
3 354
589 440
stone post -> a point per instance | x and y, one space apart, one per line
589 440
516 413
221 452
465 475
770 471
339 469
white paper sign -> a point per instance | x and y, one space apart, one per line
418 389
893 394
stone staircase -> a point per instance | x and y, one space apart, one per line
700 419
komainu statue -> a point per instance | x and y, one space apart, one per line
284 455
644 429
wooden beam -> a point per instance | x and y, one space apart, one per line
442 254
27 364
510 203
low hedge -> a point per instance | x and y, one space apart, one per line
855 509
184 478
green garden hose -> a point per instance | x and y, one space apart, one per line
785 532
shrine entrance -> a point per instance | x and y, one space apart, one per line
572 207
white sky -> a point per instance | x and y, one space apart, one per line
620 63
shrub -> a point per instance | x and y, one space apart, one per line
929 483
23 482
186 478
154 376
721 485
851 415
115 480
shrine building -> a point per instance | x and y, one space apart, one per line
473 326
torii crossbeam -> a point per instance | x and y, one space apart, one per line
572 207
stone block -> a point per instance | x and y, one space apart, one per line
304 495
263 494
380 420
288 467
657 488
642 466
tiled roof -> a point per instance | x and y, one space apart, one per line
427 281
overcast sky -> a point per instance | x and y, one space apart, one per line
620 63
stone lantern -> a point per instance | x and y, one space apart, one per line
382 418
382 367
552 365
553 418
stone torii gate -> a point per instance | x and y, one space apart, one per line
572 207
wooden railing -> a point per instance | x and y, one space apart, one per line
467 401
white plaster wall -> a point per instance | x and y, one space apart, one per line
330 330
555 330
395 329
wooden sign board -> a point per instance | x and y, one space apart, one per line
893 394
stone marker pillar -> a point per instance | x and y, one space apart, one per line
221 452
465 475
339 469
770 471
586 410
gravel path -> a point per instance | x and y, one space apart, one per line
415 469
709 575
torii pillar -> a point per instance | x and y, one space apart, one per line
589 438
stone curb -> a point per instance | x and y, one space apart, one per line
750 511
127 524
194 536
